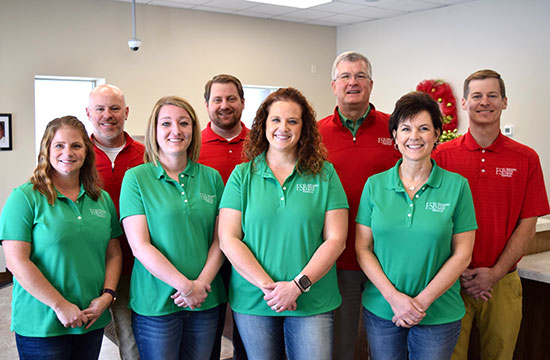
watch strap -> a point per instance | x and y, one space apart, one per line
110 292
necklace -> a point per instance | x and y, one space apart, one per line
417 185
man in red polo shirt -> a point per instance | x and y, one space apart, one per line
116 152
359 145
221 148
509 194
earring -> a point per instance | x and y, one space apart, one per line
395 146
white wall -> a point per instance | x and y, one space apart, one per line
181 50
509 36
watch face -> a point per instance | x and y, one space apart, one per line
304 282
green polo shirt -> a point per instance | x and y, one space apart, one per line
412 238
181 217
283 227
68 245
351 125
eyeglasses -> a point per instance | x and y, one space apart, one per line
359 77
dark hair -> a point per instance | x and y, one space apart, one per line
223 79
482 75
412 104
41 178
311 151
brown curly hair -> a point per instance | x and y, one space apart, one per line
41 177
311 151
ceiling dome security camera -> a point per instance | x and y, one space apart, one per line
134 44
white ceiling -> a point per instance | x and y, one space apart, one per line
336 13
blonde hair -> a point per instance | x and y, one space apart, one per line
41 177
151 145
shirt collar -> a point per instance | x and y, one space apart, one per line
190 170
209 135
350 123
81 193
472 145
393 181
264 170
128 139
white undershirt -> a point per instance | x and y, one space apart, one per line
110 152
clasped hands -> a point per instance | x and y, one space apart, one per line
193 298
479 282
70 315
281 295
407 311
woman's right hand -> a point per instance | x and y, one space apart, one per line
407 311
195 298
70 315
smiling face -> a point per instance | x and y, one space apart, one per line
352 85
416 136
224 106
174 131
107 111
283 126
484 103
67 152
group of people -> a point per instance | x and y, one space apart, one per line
299 225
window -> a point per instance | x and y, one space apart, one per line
254 96
56 96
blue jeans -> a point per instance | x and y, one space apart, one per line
65 347
420 342
182 335
303 337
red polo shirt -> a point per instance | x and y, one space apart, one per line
221 154
355 159
507 185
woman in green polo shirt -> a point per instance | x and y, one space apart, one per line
169 208
283 223
59 233
415 234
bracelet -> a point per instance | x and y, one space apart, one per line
190 291
299 287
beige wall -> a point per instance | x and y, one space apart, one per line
181 50
450 43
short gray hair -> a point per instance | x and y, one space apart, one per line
351 56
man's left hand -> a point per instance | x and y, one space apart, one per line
479 282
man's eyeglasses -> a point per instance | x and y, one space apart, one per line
359 77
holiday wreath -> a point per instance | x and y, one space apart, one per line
441 92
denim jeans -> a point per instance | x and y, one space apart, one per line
303 337
182 335
65 347
420 342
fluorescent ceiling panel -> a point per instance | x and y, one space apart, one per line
301 4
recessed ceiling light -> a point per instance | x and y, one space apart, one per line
301 4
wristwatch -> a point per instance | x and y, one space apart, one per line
303 282
110 292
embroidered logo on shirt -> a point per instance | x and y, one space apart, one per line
208 198
385 141
436 206
98 212
506 172
307 188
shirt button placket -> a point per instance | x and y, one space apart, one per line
182 177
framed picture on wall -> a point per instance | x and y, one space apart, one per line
5 132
